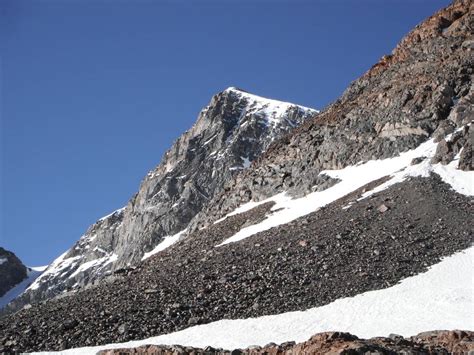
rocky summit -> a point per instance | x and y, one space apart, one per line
267 209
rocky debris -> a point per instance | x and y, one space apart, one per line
231 132
423 89
290 267
12 271
435 342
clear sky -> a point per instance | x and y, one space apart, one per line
94 92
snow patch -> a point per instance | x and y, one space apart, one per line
210 139
441 298
244 208
246 162
3 260
165 243
94 263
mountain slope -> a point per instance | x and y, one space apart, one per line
381 183
231 132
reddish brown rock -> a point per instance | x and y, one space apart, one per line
434 342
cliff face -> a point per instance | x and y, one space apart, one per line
231 132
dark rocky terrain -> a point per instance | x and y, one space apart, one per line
12 271
422 90
329 254
436 342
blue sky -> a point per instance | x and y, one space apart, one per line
94 92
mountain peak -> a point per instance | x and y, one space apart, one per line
231 132
270 104
235 89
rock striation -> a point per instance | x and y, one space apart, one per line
230 133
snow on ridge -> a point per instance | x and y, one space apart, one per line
56 267
119 211
246 162
62 265
37 268
164 244
3 260
264 100
405 308
352 178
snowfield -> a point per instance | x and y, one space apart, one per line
441 298
165 243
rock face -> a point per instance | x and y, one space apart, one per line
230 133
12 271
423 89
435 342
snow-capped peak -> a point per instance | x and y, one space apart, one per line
272 106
